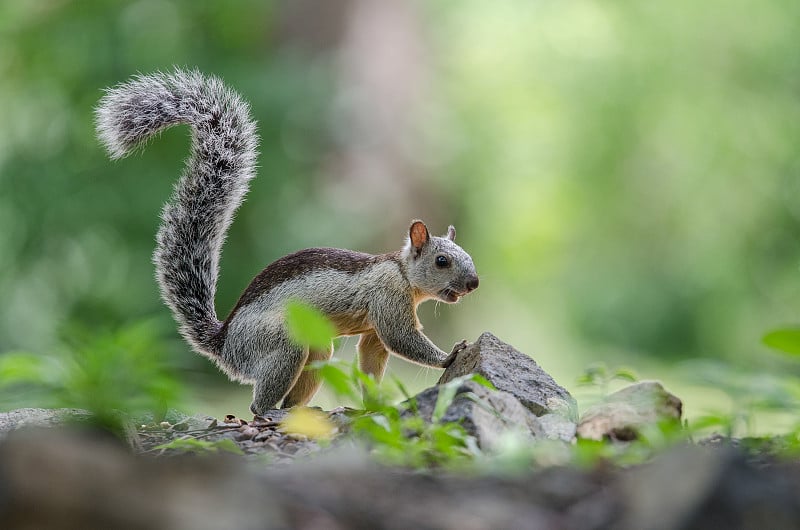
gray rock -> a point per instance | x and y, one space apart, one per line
622 414
83 480
182 422
484 413
689 487
32 417
514 372
557 427
69 480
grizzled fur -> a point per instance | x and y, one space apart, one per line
372 296
214 183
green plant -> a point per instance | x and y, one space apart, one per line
307 326
398 434
786 340
600 376
201 447
116 375
751 393
395 433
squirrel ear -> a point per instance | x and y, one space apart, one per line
451 233
418 235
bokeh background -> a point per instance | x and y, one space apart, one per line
624 174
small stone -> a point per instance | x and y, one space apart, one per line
264 435
622 414
246 432
198 422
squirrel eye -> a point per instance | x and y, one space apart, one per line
442 261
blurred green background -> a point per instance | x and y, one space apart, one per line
624 174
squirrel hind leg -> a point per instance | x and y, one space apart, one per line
277 374
308 382
372 355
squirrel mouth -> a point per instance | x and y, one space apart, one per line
449 295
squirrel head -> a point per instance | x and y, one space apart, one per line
437 266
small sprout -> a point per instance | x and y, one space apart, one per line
599 375
625 374
192 445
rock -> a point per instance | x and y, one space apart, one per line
690 487
78 479
514 372
198 422
69 480
32 417
557 427
495 413
622 414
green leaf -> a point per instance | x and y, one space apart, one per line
21 368
626 374
478 378
382 421
786 340
202 446
443 400
308 326
447 392
717 420
594 374
334 376
401 387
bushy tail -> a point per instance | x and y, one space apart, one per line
211 188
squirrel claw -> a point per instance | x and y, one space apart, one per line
458 348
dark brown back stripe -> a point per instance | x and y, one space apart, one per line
303 262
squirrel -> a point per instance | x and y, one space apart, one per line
374 296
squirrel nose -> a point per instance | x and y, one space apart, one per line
472 283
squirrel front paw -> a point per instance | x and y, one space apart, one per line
459 347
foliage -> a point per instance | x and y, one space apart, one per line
751 393
786 340
307 326
599 375
202 447
116 375
398 434
786 446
